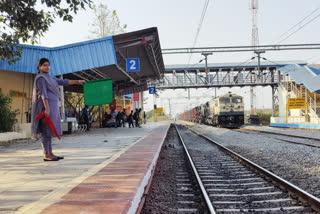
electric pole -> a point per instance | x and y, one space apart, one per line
206 54
254 42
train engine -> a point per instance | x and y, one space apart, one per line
225 111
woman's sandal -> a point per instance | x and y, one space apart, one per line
60 157
51 159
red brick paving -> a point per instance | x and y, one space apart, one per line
89 207
112 189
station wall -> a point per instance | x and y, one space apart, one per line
19 86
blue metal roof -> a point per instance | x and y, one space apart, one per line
308 76
316 71
66 59
128 96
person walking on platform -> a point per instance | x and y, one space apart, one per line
118 119
135 118
85 114
123 118
144 117
130 119
139 117
45 98
112 121
106 118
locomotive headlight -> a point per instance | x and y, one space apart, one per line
231 118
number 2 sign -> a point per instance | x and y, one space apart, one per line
133 64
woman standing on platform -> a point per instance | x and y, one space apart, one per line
45 98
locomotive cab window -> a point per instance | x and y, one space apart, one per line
237 100
224 100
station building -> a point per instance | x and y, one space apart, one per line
303 82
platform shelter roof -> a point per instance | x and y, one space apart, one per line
306 75
99 59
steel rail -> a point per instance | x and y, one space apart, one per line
313 201
276 133
195 172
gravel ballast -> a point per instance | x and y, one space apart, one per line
173 183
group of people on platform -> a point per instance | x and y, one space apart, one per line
119 119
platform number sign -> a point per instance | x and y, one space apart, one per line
133 64
152 90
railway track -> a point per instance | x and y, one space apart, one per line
281 134
316 141
230 183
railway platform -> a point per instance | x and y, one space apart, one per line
104 171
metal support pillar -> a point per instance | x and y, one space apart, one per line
190 111
154 113
315 102
206 54
100 122
251 100
252 94
275 100
170 108
141 97
22 104
63 115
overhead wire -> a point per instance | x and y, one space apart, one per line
204 10
203 13
279 40
301 27
283 34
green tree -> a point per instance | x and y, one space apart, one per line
7 116
106 22
22 20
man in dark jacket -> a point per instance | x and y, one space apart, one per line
123 118
85 114
118 119
130 119
135 117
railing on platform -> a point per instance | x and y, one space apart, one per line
294 90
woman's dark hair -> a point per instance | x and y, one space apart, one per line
41 62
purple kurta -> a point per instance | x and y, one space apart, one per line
47 88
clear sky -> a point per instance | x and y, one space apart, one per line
227 23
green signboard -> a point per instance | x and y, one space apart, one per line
98 92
